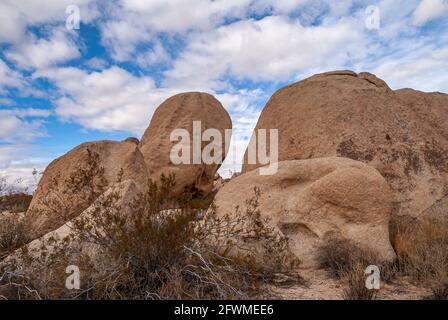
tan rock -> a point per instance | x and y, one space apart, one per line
311 200
179 112
218 183
71 183
403 134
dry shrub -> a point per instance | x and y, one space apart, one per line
440 291
339 256
12 233
149 250
11 199
356 284
15 202
422 250
344 260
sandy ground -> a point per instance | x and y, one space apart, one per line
320 286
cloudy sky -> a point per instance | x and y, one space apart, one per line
61 85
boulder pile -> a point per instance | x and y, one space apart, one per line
352 153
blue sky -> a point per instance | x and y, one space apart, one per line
60 87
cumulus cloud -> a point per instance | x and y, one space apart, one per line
9 78
108 100
96 63
136 21
13 80
16 16
13 126
424 69
429 10
273 48
122 36
156 55
37 53
182 15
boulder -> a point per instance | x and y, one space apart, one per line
403 134
71 183
311 201
218 182
179 112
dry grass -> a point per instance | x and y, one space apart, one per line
422 250
440 291
339 256
356 284
346 261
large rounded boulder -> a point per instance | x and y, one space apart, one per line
403 134
314 201
191 113
71 183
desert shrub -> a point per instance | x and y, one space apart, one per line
15 202
356 284
440 291
12 233
339 256
11 199
14 286
161 247
344 260
422 250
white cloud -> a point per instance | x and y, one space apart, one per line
40 53
429 10
423 68
137 21
14 128
31 112
274 48
183 15
96 63
7 102
12 79
16 16
9 78
156 55
112 99
121 37
12 23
